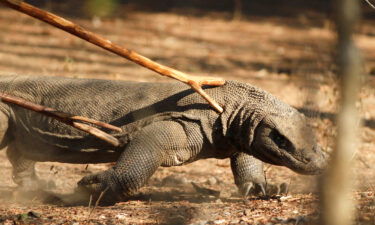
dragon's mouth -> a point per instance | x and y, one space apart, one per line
286 159
268 157
313 166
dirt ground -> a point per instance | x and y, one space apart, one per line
293 58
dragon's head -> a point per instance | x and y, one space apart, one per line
287 140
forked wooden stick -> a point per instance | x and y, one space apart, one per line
68 26
66 118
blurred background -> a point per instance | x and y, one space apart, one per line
284 47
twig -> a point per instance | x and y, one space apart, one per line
370 4
195 83
363 162
288 188
88 120
268 167
89 207
101 196
66 118
90 201
97 201
53 112
96 132
265 179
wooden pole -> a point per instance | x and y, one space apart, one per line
66 118
336 190
68 26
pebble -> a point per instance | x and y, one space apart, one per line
363 195
261 73
247 212
219 221
33 214
218 201
284 198
212 181
121 216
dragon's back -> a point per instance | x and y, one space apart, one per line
120 103
100 99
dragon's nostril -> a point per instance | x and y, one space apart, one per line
316 148
308 158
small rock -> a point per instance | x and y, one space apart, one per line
218 201
284 198
33 214
96 21
121 216
247 212
212 181
261 73
363 195
219 221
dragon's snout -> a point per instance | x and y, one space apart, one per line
316 162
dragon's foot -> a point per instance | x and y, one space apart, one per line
101 187
262 189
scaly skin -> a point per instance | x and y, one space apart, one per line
163 125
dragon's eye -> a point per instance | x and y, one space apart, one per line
281 141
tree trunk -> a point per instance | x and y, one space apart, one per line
337 206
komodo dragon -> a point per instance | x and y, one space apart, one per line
164 124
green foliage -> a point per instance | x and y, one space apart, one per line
100 8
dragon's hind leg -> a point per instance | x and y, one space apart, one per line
23 170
